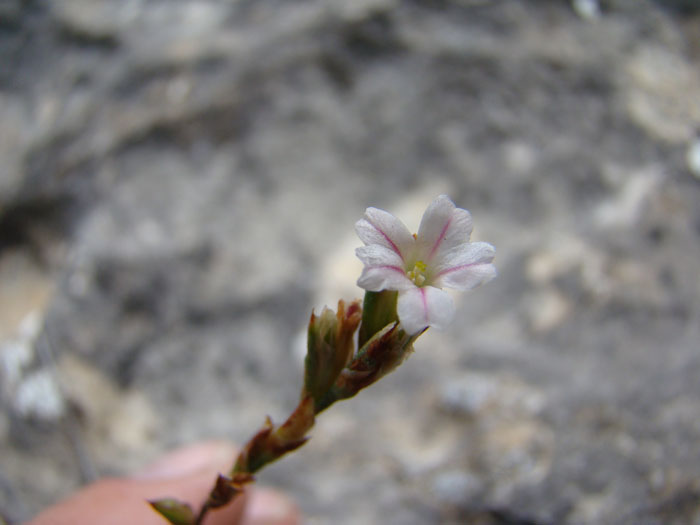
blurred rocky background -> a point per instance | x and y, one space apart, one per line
179 182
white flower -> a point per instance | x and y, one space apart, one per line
418 266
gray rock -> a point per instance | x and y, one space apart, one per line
182 179
457 487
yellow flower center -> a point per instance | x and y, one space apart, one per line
417 275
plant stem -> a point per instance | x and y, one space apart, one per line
202 513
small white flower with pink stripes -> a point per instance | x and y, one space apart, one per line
418 266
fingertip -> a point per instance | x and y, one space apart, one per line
206 456
269 507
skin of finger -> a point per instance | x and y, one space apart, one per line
120 501
184 474
213 455
268 507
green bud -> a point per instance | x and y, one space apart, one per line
330 347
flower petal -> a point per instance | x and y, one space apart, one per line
466 267
419 308
377 255
443 228
377 278
381 227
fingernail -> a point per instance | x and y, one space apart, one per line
211 455
267 507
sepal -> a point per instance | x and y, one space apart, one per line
386 350
272 442
176 512
225 489
378 311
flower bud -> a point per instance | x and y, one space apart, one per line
330 347
380 355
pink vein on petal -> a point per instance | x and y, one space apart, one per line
440 238
388 239
456 268
425 304
389 267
